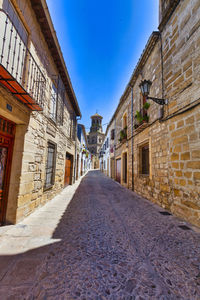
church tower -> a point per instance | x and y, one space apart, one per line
96 125
96 135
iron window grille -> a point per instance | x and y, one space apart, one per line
50 165
112 134
18 61
57 101
144 160
73 126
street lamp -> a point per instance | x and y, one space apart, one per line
145 86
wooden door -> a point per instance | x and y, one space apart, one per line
7 132
125 167
81 166
118 170
68 170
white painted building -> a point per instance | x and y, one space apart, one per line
84 157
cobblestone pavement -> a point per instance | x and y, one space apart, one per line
110 244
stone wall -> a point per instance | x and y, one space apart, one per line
34 130
184 164
174 138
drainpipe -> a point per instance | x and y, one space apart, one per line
132 140
75 158
162 75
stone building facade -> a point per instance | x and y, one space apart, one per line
38 110
163 141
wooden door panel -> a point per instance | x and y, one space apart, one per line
7 135
68 171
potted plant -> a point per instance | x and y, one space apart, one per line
123 134
139 117
146 118
146 105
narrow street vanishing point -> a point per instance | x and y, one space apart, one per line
110 243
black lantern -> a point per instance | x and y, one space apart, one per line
145 86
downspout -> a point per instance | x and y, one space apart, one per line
132 139
75 157
162 74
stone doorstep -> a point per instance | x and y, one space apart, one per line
27 234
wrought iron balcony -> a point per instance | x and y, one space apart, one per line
19 71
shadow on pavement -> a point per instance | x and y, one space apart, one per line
112 245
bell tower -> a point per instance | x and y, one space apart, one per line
96 135
96 125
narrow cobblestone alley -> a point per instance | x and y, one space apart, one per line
109 244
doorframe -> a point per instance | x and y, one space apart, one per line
10 147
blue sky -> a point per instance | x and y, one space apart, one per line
101 43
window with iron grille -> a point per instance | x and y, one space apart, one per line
57 101
53 103
144 160
73 126
50 165
112 134
10 10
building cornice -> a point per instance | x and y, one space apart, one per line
44 19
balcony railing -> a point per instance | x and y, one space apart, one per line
19 71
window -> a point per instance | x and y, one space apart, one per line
50 165
14 38
144 160
73 126
53 103
107 142
57 101
112 134
10 10
125 121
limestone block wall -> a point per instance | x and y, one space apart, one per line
31 190
154 187
184 164
181 55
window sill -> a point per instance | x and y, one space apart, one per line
144 175
46 188
52 121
